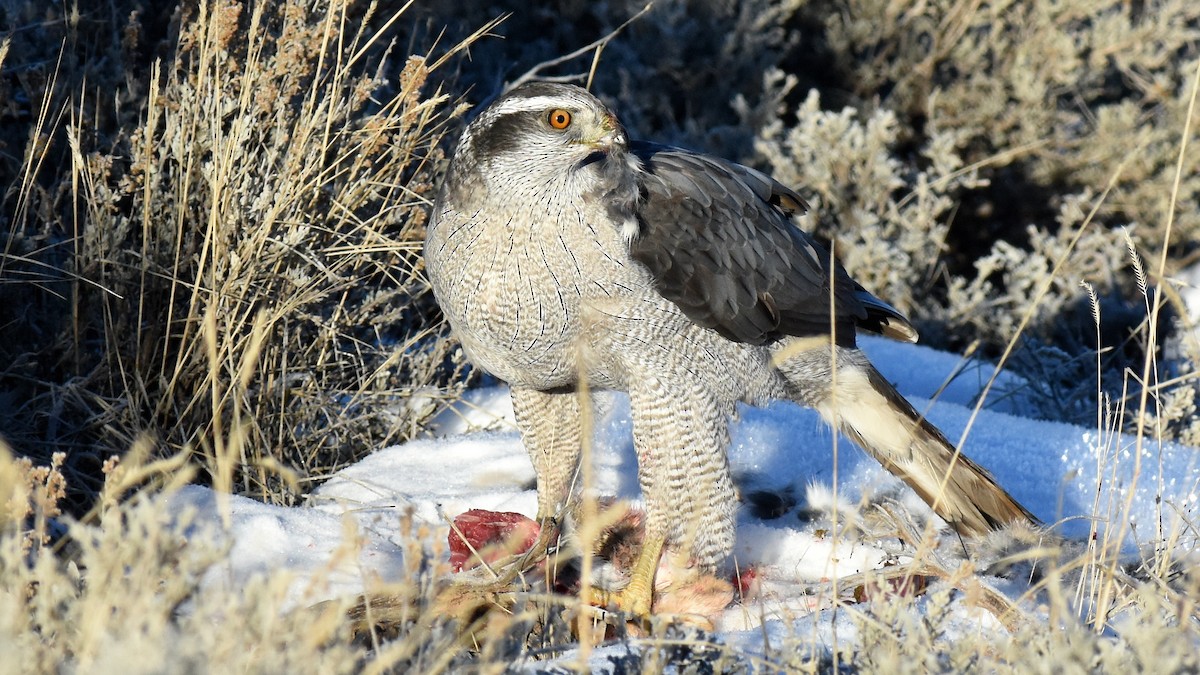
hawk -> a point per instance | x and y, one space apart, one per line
564 254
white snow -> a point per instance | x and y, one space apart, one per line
1052 468
1187 283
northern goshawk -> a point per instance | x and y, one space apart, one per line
562 254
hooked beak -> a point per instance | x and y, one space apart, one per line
612 135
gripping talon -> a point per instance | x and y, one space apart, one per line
637 598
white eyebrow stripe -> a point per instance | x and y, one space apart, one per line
532 104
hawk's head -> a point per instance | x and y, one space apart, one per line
542 134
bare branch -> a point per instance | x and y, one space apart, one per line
532 73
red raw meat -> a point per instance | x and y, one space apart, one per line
493 534
747 582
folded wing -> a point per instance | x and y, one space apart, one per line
720 242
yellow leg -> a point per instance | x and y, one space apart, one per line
638 597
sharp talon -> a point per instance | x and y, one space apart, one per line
637 599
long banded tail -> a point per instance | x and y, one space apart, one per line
869 410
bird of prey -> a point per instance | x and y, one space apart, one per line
564 255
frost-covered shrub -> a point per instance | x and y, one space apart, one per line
890 239
890 228
1092 85
994 158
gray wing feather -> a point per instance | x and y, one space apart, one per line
718 238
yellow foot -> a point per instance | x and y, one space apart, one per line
637 598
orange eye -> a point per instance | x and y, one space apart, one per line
559 118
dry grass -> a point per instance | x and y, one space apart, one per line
210 270
232 271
